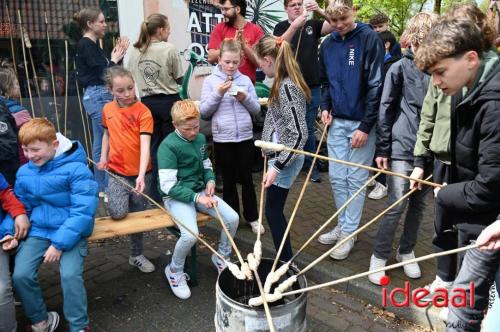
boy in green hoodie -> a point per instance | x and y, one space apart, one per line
187 182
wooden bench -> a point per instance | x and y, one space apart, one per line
145 221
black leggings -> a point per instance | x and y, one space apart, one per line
275 204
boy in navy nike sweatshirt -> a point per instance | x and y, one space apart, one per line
351 64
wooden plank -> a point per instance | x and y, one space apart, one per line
136 222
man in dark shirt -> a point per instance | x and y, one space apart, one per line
304 36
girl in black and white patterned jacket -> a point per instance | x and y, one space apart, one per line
285 123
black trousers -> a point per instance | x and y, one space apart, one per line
275 204
234 161
160 106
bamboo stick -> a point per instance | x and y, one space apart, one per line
25 62
27 42
359 230
66 65
52 71
360 190
12 47
267 311
229 236
87 145
385 268
281 147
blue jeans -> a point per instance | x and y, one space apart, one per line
7 308
311 115
397 188
186 213
346 180
25 277
287 175
479 267
94 99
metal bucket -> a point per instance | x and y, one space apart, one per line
233 313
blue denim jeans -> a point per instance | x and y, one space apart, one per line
25 277
397 188
311 115
186 213
7 308
287 175
346 180
479 267
94 99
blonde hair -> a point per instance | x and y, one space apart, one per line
449 39
418 28
39 129
86 15
7 77
339 7
116 71
184 110
149 28
285 65
473 13
230 45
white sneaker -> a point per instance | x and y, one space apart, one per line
432 287
142 263
331 237
52 323
178 283
372 183
255 227
376 263
343 251
412 270
219 264
379 192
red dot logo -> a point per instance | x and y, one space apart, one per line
385 280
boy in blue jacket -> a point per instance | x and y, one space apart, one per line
60 196
351 62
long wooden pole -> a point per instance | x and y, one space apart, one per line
229 236
385 268
27 42
66 65
359 230
52 71
21 33
281 147
87 144
360 190
267 311
9 22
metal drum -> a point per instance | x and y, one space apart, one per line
233 313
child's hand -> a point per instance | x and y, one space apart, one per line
222 89
139 184
22 225
240 96
8 242
382 162
210 188
326 117
300 21
52 255
209 202
269 177
418 173
102 165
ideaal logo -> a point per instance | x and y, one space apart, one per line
442 297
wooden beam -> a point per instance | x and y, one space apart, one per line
136 222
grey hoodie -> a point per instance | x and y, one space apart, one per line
231 120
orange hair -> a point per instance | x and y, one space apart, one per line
39 129
184 110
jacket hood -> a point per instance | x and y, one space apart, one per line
220 74
13 105
359 27
409 54
67 152
488 89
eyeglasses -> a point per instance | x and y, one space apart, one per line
225 9
298 4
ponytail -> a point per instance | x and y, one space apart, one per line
148 29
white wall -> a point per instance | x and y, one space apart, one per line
130 17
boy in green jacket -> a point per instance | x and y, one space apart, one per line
187 182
